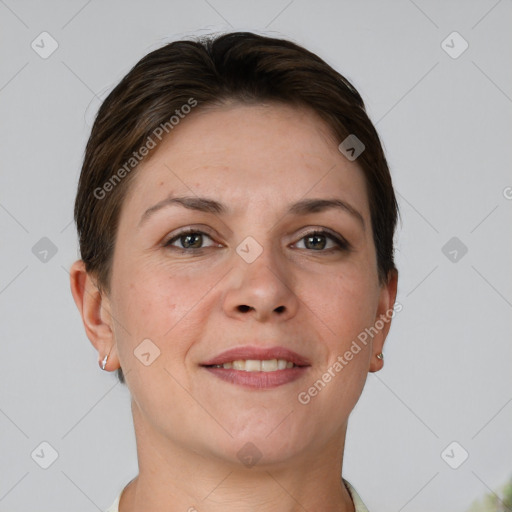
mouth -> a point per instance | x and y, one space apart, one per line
255 365
258 368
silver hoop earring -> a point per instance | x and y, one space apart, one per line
380 356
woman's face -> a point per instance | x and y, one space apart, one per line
251 274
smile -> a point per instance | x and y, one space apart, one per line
258 368
256 365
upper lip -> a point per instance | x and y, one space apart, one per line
258 353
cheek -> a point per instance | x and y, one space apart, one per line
152 298
345 302
156 302
142 308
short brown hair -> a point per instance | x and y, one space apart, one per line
239 66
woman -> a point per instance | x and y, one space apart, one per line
236 215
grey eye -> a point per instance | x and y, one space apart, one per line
189 240
321 240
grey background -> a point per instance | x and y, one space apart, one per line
446 126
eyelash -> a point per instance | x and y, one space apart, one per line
183 233
340 242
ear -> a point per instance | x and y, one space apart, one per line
94 307
382 323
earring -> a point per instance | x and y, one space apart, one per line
380 356
104 362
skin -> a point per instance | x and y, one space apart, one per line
189 424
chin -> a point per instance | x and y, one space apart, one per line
261 448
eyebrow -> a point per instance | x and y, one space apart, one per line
319 205
206 205
201 204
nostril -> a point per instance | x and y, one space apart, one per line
243 308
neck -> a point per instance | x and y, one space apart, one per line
175 479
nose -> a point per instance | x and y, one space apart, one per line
262 290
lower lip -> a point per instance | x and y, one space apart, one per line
259 380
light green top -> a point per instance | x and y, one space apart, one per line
358 503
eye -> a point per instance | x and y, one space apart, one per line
189 239
322 241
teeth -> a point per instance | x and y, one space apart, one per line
281 364
255 365
252 365
238 365
269 366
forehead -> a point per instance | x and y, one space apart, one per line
249 153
